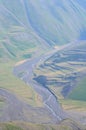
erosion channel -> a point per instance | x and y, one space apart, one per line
25 72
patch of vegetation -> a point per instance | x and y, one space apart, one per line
11 127
79 92
2 104
69 104
10 82
26 56
64 125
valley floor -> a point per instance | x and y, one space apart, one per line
46 111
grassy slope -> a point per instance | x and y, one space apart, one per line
17 42
55 22
10 82
17 38
58 22
65 125
57 77
79 93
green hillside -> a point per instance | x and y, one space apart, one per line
58 22
18 42
79 93
17 38
39 23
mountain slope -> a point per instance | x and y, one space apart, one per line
39 22
57 22
17 38
26 26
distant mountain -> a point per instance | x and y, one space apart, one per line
28 23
